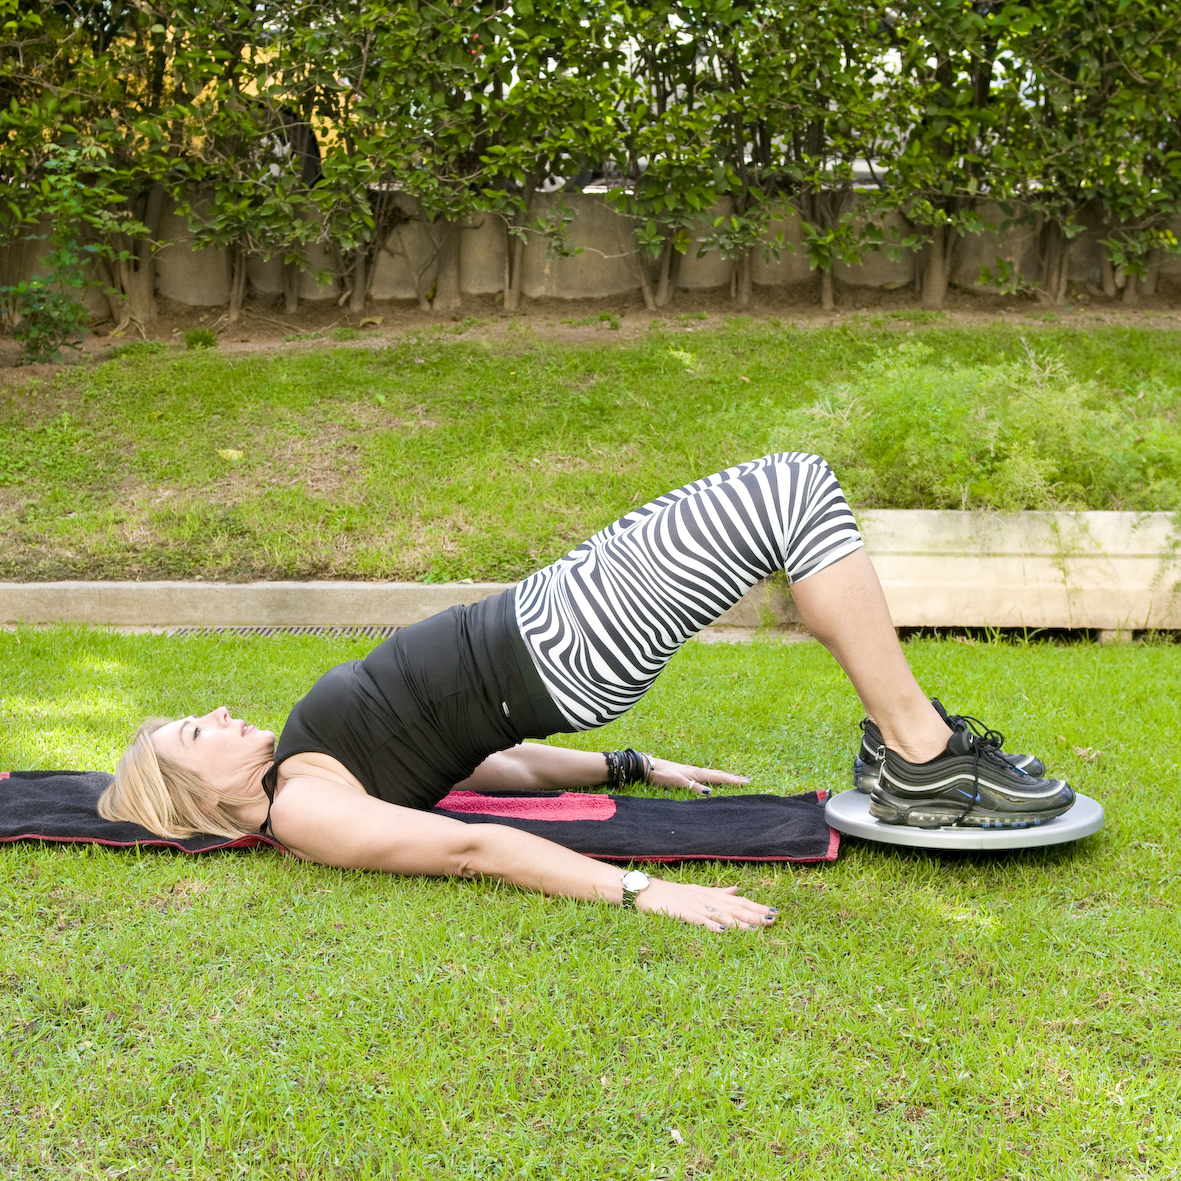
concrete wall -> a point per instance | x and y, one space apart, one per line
22 261
412 248
792 264
1062 570
711 270
481 256
877 268
1017 245
264 273
197 277
608 263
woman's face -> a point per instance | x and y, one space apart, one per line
228 754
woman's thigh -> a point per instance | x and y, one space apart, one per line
602 622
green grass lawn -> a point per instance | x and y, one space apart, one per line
909 1015
455 454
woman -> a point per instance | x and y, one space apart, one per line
449 702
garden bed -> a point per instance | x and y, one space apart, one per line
468 453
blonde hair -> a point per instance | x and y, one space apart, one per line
164 797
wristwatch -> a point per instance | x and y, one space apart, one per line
634 882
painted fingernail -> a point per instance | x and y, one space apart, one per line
773 909
707 791
768 918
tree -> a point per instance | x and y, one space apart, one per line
253 159
813 93
65 186
666 149
953 96
1100 78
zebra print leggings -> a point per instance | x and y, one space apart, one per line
602 622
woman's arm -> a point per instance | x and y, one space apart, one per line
319 820
532 766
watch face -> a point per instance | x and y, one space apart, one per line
635 880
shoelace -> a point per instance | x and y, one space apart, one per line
985 733
977 746
982 745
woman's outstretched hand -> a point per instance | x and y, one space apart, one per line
718 908
697 779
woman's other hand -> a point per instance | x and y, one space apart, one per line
718 908
665 773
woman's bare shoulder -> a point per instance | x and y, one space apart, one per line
313 765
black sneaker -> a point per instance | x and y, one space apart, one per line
971 784
867 766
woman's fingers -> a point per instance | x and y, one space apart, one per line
716 908
709 775
696 779
750 919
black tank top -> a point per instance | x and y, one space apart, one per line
426 707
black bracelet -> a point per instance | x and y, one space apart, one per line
627 766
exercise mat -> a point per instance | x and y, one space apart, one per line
640 828
60 806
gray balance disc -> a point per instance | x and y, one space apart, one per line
848 812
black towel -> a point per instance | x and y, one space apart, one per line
60 806
639 828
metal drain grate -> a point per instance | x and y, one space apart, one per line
264 630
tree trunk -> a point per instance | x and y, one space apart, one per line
512 292
237 280
131 283
448 296
1060 292
138 302
112 295
651 302
935 273
1132 290
142 296
360 283
291 287
745 267
1107 270
1053 277
508 263
676 258
1148 283
666 264
827 303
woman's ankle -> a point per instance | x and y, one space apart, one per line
917 739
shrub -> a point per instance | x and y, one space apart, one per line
47 319
200 338
909 433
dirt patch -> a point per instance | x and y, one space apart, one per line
265 327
